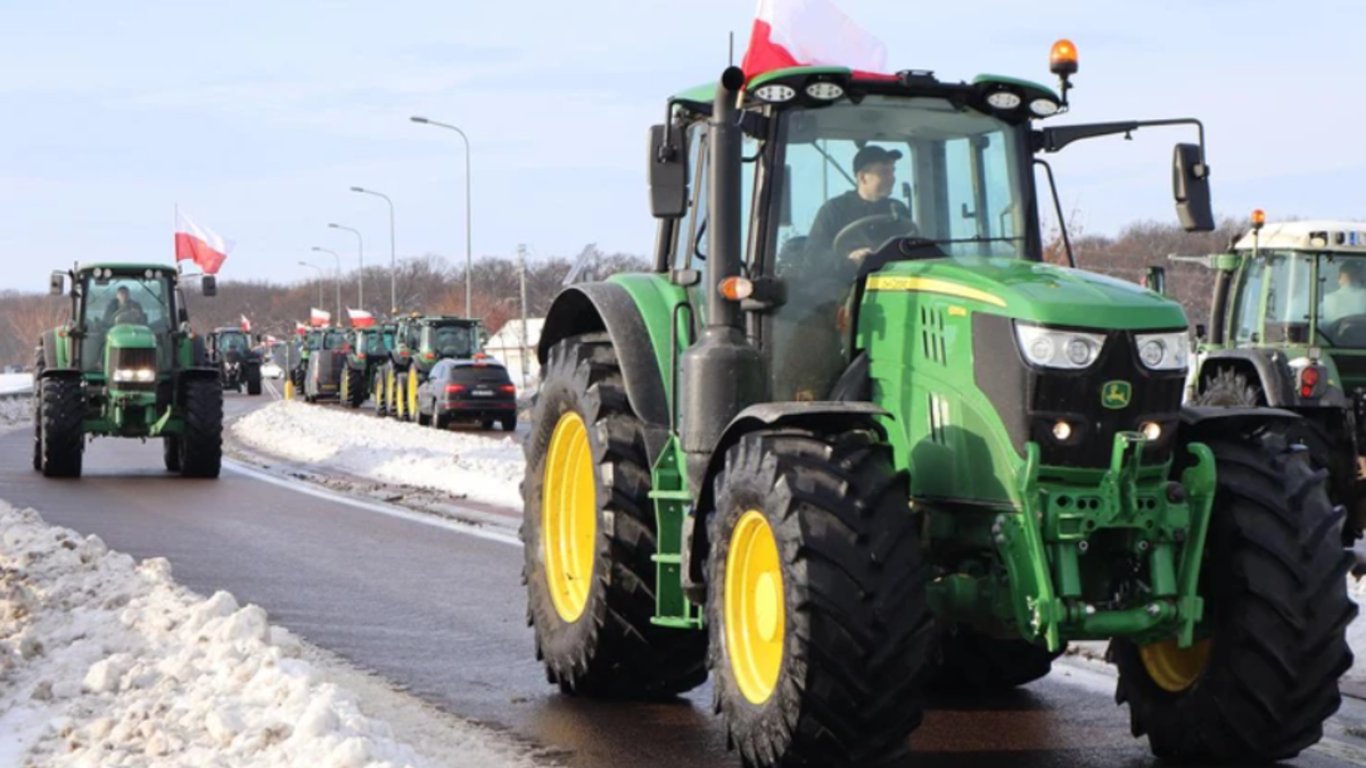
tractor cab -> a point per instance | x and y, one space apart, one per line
122 309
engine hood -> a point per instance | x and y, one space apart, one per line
130 337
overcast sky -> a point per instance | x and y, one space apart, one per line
257 116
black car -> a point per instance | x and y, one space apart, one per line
477 389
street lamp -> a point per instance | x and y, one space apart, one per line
469 248
336 256
360 249
393 262
320 279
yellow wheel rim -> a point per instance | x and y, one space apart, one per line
569 516
412 393
1175 669
754 607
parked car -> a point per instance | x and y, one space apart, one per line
477 389
272 370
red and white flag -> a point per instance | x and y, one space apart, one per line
299 328
201 245
318 318
797 33
246 324
360 318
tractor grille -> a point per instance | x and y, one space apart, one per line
133 359
1031 401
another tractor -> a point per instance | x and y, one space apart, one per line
239 365
1287 329
367 350
326 362
827 472
422 341
126 365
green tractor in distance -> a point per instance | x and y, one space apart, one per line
391 378
421 342
368 348
309 340
1287 329
239 364
126 365
827 472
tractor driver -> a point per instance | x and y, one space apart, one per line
1350 296
874 178
124 309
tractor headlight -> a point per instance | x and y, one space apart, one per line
1163 351
1055 348
138 375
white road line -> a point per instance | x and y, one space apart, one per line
308 489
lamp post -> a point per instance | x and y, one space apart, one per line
469 248
336 256
320 279
360 250
393 260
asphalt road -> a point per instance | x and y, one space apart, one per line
439 611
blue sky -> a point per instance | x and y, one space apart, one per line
257 117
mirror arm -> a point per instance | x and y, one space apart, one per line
1055 138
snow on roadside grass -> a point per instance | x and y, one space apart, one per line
483 467
15 410
108 662
15 382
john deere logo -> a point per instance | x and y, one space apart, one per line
1115 394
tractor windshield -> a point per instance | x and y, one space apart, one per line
1282 294
334 340
856 175
121 300
233 342
454 340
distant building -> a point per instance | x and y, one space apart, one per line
516 351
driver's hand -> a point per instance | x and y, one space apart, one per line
857 256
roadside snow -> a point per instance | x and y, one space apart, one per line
15 382
108 662
485 468
15 410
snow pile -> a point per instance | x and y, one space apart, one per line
15 410
484 468
15 382
104 662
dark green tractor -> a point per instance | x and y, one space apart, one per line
831 461
1287 329
126 365
367 350
238 362
423 341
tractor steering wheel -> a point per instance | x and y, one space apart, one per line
872 232
130 316
1349 330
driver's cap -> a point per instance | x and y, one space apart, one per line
874 154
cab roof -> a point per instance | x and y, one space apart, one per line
125 268
1335 235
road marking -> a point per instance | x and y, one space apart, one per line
308 489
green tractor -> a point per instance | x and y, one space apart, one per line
126 365
830 461
1287 329
421 342
366 351
238 362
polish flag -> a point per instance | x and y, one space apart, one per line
805 33
360 318
246 324
299 328
318 318
201 245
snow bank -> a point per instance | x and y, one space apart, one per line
15 382
15 410
108 662
484 468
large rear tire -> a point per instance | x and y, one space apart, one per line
354 380
378 393
63 437
253 374
201 446
1260 683
170 452
972 661
589 572
820 626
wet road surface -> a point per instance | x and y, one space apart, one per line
440 613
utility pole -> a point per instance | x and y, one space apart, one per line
521 272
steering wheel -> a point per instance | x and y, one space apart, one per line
1349 330
130 316
872 232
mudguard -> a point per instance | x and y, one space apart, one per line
1267 370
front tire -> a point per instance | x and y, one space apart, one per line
820 626
1259 686
509 423
201 446
62 431
589 572
170 452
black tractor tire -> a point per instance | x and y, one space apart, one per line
857 631
354 381
612 649
253 375
378 394
973 662
170 452
509 423
1229 389
62 433
400 395
1277 611
201 446
39 362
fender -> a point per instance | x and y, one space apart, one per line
1270 368
1200 422
820 417
610 307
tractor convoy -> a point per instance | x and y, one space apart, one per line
828 453
852 438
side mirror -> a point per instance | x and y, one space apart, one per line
1200 331
1156 280
668 173
1190 187
208 285
57 283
